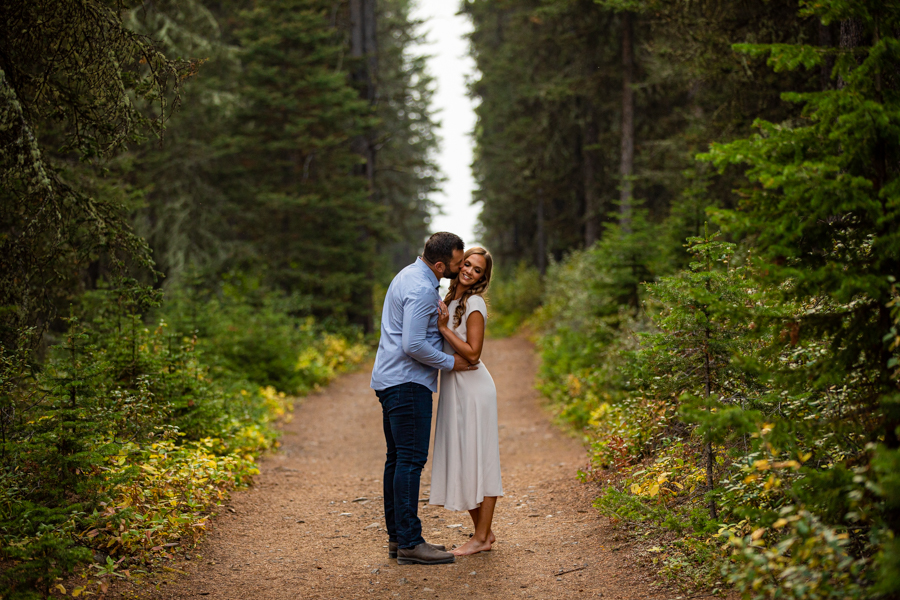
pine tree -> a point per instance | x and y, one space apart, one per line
406 174
822 210
306 221
69 72
691 357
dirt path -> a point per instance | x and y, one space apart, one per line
313 526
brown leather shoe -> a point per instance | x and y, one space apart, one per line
393 546
424 554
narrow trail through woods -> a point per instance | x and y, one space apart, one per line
312 527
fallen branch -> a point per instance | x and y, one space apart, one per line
571 571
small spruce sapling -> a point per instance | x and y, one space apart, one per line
691 357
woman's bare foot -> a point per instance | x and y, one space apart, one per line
473 546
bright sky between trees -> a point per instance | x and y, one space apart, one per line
450 64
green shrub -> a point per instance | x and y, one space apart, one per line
798 558
134 429
514 295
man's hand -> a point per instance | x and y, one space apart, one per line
461 364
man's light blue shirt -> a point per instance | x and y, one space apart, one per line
410 347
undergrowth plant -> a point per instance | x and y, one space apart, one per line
750 413
138 425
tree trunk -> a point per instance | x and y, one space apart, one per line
707 369
541 235
852 33
826 41
593 210
626 167
363 47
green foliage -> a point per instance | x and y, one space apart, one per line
589 316
311 226
131 434
810 560
886 484
550 84
407 174
123 421
71 78
759 383
514 296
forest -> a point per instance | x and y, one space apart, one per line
702 202
198 201
694 206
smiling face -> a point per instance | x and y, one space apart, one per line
472 270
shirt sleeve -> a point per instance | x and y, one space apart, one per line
417 312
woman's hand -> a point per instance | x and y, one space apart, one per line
443 316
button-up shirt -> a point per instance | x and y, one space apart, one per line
410 347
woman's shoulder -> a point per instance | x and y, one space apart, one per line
476 302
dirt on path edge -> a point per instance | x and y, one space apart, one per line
312 525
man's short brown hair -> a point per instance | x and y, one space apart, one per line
440 247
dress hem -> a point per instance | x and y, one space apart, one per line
445 507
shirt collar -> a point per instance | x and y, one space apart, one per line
425 268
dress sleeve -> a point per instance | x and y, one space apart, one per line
476 303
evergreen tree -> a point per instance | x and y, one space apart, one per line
69 74
690 359
186 215
822 210
549 143
406 174
305 220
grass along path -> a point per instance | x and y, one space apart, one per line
312 527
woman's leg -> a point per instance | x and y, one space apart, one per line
475 514
483 537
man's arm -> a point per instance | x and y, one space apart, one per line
417 312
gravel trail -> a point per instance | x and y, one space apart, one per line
312 526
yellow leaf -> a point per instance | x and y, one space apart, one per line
61 589
654 490
663 477
757 534
780 523
77 592
761 465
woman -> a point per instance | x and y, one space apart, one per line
466 468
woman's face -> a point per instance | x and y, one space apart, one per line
472 270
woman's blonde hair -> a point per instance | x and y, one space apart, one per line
478 289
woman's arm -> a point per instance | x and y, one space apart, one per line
470 350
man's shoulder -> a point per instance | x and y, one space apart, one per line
411 280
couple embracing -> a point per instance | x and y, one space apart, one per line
421 334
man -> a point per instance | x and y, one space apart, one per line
404 379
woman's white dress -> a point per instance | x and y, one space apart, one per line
466 463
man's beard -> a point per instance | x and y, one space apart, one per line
451 276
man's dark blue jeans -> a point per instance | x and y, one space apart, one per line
406 410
